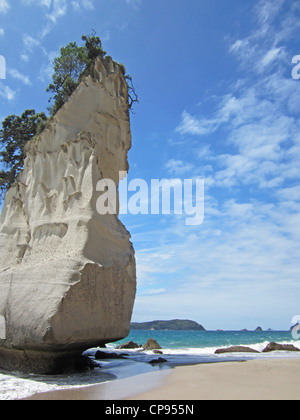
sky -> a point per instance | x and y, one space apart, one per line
217 102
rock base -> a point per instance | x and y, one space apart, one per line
43 363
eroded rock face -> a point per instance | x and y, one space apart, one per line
67 279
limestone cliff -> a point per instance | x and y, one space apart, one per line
67 279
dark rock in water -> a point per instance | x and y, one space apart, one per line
236 349
157 352
84 363
151 345
106 355
158 361
129 345
259 329
279 347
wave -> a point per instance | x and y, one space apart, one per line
19 387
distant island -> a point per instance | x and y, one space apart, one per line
173 325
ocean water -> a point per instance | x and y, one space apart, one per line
179 348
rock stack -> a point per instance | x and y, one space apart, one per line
68 279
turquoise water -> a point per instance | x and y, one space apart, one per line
208 341
179 348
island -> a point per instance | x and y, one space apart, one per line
173 325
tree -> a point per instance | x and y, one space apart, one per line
93 47
68 68
75 61
16 132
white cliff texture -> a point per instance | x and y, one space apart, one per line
67 279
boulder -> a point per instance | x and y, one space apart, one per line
158 361
236 349
68 275
151 345
129 345
103 355
280 347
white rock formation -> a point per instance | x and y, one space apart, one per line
67 279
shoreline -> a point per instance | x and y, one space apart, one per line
268 379
120 389
258 379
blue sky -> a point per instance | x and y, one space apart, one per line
217 102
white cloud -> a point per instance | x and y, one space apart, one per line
270 57
151 292
260 122
289 194
25 57
83 4
194 126
134 3
6 92
267 10
4 6
178 167
1 32
244 260
19 76
30 43
59 10
46 70
40 3
249 266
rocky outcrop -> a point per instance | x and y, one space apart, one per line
280 347
236 349
151 345
158 361
173 325
67 279
129 345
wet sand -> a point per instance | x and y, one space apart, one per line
271 379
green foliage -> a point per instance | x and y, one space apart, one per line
93 47
68 68
73 62
16 132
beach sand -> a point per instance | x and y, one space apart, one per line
271 379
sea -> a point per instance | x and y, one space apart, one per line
178 347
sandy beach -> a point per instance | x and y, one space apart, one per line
272 379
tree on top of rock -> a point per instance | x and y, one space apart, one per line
73 61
